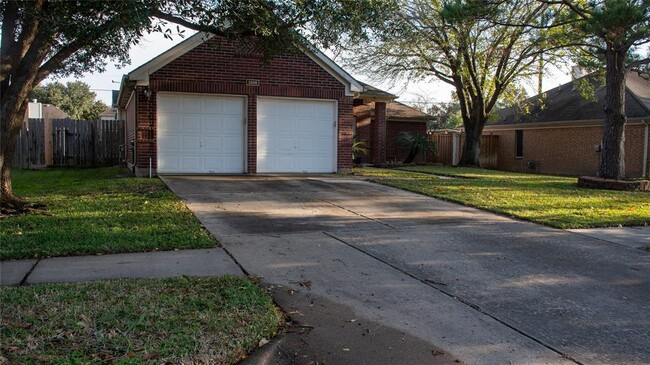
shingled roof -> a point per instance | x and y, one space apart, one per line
395 111
565 103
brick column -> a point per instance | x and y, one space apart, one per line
379 127
252 134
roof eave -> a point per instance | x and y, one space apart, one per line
141 74
560 124
352 86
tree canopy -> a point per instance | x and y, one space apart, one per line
607 38
74 98
470 45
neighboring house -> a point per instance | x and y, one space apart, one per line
108 114
111 112
399 117
561 132
36 110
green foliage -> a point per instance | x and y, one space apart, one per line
446 116
416 144
95 211
74 98
470 45
177 320
359 148
551 200
597 27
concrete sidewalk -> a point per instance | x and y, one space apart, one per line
635 237
203 262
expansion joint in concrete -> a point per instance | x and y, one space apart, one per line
355 213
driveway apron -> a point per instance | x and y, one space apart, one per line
479 287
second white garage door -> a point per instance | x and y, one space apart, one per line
296 136
200 133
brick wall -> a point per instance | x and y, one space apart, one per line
393 128
566 151
379 133
365 132
217 67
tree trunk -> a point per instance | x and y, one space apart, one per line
11 125
612 163
471 154
411 156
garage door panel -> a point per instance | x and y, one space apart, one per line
231 106
168 162
212 124
213 143
191 162
200 133
190 144
167 104
190 123
231 146
213 107
214 163
190 104
165 125
232 126
296 135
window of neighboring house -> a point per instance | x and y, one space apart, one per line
519 143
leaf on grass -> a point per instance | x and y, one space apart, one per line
262 342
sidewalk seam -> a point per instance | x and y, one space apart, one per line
459 299
22 282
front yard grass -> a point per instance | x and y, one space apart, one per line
97 211
551 200
180 320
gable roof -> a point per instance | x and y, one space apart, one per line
565 103
395 111
371 94
140 76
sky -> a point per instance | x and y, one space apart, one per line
409 93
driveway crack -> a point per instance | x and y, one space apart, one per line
355 213
457 298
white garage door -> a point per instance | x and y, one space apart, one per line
200 133
295 135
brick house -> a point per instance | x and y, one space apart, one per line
375 105
208 105
562 131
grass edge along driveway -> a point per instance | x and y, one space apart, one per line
97 211
550 200
152 321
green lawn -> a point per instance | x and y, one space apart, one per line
93 211
181 320
551 200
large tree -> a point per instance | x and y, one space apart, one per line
481 48
612 32
74 98
42 38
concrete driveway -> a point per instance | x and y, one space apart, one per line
447 282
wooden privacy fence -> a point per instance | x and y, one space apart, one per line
445 144
67 142
30 145
444 147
